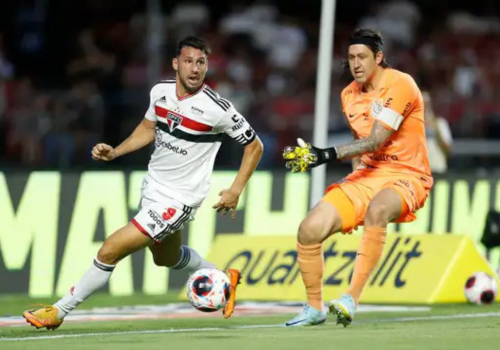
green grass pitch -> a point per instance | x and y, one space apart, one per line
443 327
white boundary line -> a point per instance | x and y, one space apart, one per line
216 329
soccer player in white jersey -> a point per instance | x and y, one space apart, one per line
187 121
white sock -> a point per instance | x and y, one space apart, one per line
190 260
95 278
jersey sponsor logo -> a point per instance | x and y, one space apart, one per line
156 218
170 147
196 111
383 157
165 144
173 121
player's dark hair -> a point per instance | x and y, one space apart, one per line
371 38
193 41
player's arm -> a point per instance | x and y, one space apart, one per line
307 156
388 117
251 158
229 197
378 136
142 136
236 127
355 161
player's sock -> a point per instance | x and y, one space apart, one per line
95 278
312 264
190 260
369 253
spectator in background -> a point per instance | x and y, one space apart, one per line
27 121
91 59
439 139
265 62
6 73
76 122
189 17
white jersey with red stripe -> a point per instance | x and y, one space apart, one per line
188 136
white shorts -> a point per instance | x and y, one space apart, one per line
160 215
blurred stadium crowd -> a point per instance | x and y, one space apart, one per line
75 73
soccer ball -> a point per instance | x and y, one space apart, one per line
481 288
208 289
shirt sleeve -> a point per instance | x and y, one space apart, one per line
236 127
397 104
154 95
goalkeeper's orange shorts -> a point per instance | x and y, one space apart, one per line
352 195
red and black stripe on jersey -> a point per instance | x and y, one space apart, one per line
187 123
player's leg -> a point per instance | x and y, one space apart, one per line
119 245
333 214
172 254
385 207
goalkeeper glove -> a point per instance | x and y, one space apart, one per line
306 156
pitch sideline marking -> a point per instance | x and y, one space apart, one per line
216 329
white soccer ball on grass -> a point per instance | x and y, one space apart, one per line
481 288
208 289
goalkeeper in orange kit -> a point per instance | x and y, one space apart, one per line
390 182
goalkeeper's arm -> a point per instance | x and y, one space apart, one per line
378 136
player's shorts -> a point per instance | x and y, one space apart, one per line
160 215
352 195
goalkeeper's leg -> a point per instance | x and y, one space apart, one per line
385 207
323 221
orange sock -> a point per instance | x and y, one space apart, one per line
312 264
369 253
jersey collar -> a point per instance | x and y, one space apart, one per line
188 95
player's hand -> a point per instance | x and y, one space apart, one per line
228 201
104 152
306 156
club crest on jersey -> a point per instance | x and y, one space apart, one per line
377 107
173 121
